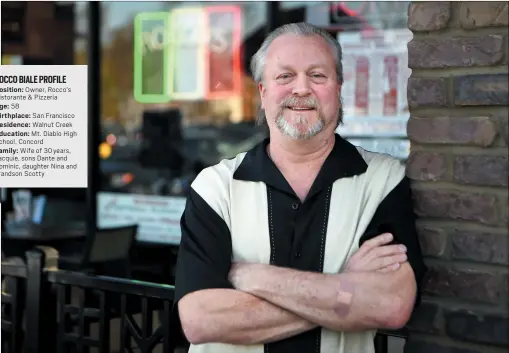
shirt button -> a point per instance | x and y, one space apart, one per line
297 255
295 206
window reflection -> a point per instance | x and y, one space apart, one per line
168 111
158 148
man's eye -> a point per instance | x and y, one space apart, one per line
284 76
317 75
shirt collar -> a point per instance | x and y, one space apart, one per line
343 161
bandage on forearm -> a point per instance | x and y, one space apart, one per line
344 298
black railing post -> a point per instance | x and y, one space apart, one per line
34 283
381 343
94 112
17 311
13 304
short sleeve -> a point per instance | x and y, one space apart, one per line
205 251
396 215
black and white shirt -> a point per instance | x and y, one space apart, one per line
244 210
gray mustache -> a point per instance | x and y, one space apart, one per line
308 103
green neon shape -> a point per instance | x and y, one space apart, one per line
138 80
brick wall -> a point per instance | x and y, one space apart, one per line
458 98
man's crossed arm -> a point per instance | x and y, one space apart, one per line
271 303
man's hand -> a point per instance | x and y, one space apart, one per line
373 255
376 255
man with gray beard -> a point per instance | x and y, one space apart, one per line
290 129
305 243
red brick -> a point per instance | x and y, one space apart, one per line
427 92
433 241
480 131
475 286
481 170
428 16
480 247
457 205
432 53
478 328
477 14
426 166
487 89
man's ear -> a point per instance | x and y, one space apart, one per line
262 91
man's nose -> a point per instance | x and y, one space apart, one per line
301 86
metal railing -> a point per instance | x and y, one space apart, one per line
13 303
100 299
39 314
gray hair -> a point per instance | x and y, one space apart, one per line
300 29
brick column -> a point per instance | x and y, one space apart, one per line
458 99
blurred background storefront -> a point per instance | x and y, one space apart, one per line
168 110
159 114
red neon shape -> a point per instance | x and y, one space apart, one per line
233 87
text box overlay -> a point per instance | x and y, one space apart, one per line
43 126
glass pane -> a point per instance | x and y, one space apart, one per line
177 96
374 38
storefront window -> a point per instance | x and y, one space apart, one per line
376 73
169 110
177 95
374 38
